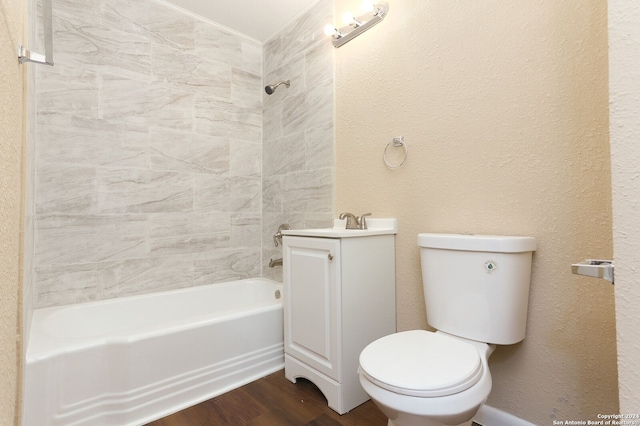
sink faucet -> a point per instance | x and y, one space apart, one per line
354 222
362 221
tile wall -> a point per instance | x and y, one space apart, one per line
298 133
148 153
157 166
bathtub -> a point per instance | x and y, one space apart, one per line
132 360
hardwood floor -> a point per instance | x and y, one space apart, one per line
273 401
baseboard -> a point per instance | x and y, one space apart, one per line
491 416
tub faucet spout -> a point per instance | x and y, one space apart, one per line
275 262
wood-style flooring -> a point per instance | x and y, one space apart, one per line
273 401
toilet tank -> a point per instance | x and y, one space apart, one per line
477 286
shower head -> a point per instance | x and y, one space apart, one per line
272 87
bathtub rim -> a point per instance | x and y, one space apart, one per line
43 345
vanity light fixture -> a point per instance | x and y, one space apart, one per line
353 27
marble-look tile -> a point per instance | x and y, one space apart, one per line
189 152
272 194
76 44
143 191
246 159
65 284
309 191
308 109
284 155
125 53
192 73
77 12
319 147
251 58
318 64
246 88
308 29
211 193
215 43
228 265
318 219
216 117
73 239
166 225
66 188
245 230
154 104
169 27
139 276
77 140
123 15
245 194
178 155
292 69
70 89
187 244
273 54
272 122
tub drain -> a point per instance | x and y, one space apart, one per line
277 294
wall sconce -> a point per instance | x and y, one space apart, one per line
353 27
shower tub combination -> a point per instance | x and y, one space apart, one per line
132 360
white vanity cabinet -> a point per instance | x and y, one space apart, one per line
339 296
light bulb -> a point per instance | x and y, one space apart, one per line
349 19
368 6
332 31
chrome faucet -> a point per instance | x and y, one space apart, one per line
354 222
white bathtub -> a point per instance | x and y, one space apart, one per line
132 360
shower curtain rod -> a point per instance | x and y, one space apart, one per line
25 55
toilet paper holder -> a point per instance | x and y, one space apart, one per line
595 268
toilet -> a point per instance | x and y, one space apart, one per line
476 290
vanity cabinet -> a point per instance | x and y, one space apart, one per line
339 296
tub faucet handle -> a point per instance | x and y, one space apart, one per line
277 237
362 221
352 220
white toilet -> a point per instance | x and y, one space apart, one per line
476 289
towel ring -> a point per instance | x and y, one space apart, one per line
398 141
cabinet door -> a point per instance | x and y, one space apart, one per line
311 302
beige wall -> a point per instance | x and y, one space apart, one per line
624 97
503 106
11 143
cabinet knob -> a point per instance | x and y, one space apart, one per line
330 256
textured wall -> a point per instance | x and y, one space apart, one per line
11 160
148 154
624 77
298 161
503 106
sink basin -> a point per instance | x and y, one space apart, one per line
376 226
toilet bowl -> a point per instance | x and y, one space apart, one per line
476 293
423 378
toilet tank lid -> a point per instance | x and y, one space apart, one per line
471 242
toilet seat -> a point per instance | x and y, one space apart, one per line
421 363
